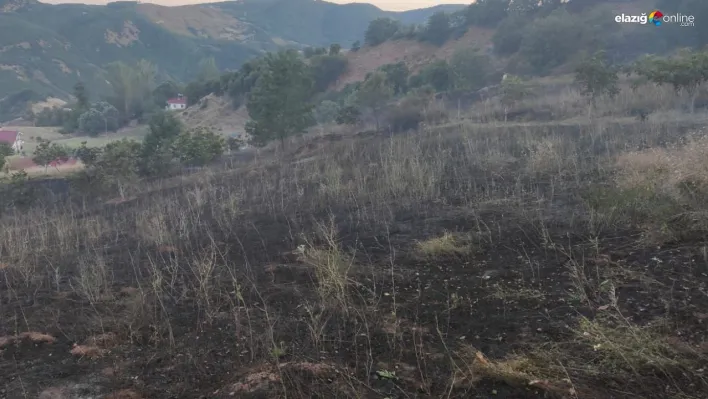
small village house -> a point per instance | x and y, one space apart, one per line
177 103
13 138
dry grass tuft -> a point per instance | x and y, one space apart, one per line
90 351
513 372
31 336
38 337
547 156
670 171
331 265
445 245
255 382
621 346
6 340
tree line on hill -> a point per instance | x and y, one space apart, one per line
286 92
535 37
280 104
135 96
542 35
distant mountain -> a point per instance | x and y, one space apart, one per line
45 49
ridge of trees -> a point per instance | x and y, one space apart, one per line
541 35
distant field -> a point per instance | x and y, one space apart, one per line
31 134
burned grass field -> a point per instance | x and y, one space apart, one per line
470 261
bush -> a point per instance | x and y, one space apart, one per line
508 37
438 29
550 41
380 30
349 115
326 111
198 147
415 109
404 117
326 69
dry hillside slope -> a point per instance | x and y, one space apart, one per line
218 114
201 21
414 53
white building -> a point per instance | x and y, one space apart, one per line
177 103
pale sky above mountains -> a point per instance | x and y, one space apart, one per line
391 5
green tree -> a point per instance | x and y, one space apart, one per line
348 115
513 90
69 121
437 74
356 46
438 28
469 69
92 122
117 166
88 155
46 152
81 95
334 49
5 151
101 117
509 35
549 42
198 147
145 73
523 7
380 30
132 86
234 144
374 94
156 158
326 111
279 104
597 78
122 79
487 12
326 69
397 75
686 73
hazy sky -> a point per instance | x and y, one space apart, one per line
396 5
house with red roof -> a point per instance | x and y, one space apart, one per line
13 138
177 103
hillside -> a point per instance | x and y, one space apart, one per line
265 23
413 53
45 49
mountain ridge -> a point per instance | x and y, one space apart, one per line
46 48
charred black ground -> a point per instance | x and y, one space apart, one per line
515 260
